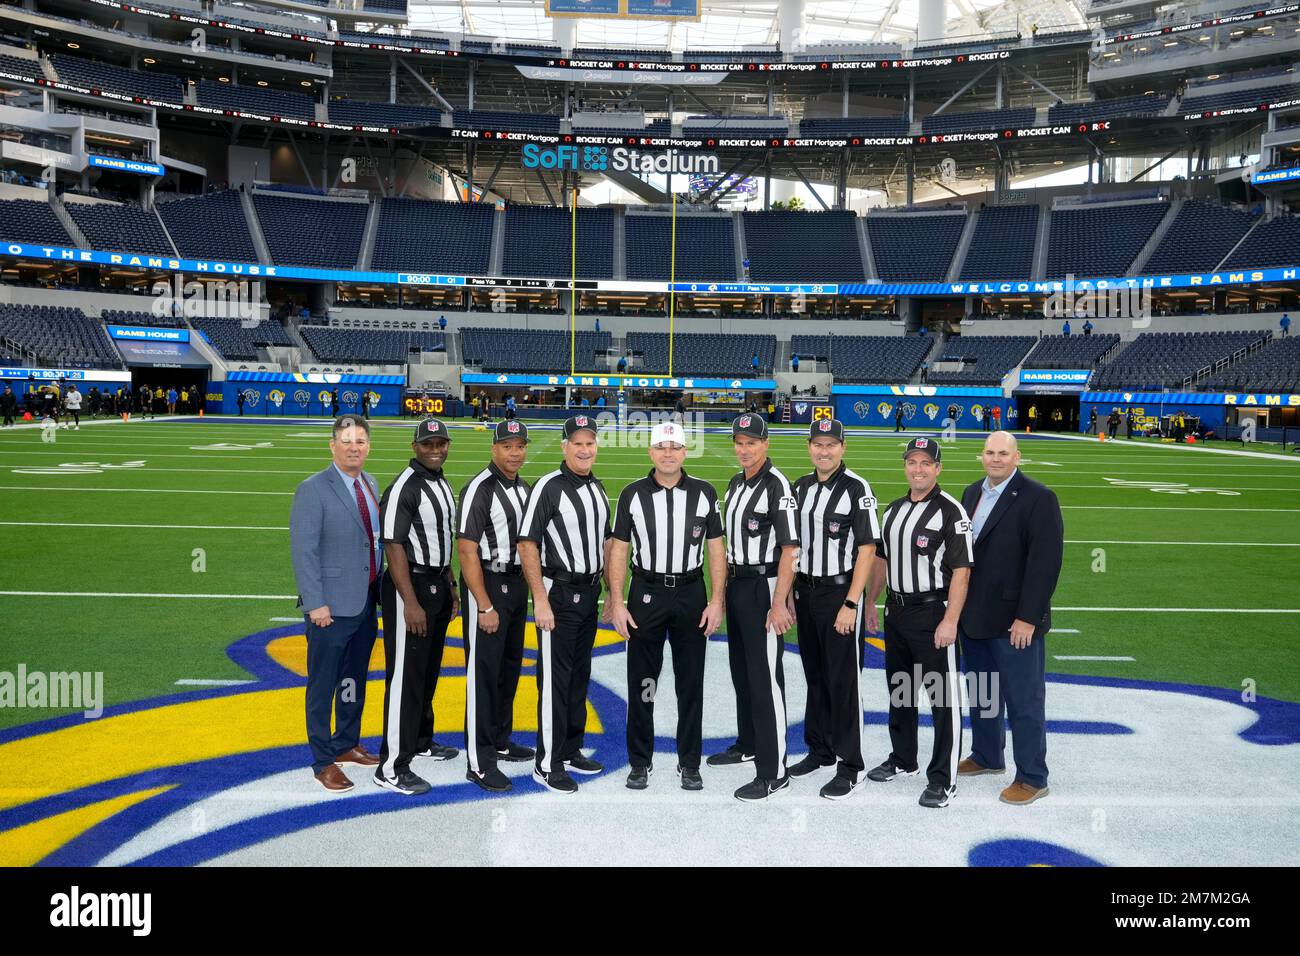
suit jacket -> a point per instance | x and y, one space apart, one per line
1017 559
331 560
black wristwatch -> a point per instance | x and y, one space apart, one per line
851 605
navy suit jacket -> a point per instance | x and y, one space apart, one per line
331 557
1017 559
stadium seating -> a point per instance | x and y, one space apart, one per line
1156 360
495 119
61 337
1099 242
880 359
230 337
1274 368
854 126
1116 108
418 234
1200 100
1071 351
912 248
28 220
369 346
708 353
706 248
1002 245
385 6
164 320
358 113
978 121
19 65
209 227
253 99
987 358
312 232
112 228
515 350
803 247
1200 236
1273 243
105 76
538 242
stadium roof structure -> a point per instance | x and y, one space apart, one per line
728 24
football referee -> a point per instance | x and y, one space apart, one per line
417 516
563 543
673 518
926 556
762 544
495 600
838 531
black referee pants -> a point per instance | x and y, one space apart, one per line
563 672
492 662
912 662
756 655
832 667
412 667
673 613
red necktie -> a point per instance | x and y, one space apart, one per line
365 520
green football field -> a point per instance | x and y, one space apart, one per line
143 550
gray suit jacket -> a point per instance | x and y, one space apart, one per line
331 560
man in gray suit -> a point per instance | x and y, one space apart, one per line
337 560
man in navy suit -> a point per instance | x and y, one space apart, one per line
337 561
1019 539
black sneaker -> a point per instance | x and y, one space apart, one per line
639 778
493 781
936 797
691 779
761 789
405 783
838 788
580 764
732 755
516 753
888 771
439 752
809 764
557 781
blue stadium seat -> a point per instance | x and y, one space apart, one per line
212 226
1156 360
1200 236
61 337
370 346
112 228
986 358
324 233
1273 243
425 235
980 121
1002 246
233 340
254 99
706 248
538 242
1099 242
914 247
1274 368
28 220
702 353
878 359
542 350
803 247
359 113
105 76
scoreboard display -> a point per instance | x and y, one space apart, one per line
806 410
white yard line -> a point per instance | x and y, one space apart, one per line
177 527
210 682
1082 657
1200 544
152 594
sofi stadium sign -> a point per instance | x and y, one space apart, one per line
599 159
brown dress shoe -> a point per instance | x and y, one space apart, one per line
333 780
969 768
1021 793
358 755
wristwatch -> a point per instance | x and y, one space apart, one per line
485 610
851 605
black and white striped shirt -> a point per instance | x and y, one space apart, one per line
924 541
761 515
836 517
491 513
568 516
419 511
669 525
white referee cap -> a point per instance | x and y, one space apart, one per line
668 432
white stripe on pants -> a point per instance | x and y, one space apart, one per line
393 699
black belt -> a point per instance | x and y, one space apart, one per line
568 577
752 570
427 569
509 570
923 597
824 580
669 580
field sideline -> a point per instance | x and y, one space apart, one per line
1158 585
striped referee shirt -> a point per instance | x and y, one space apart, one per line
419 511
491 512
836 517
669 525
761 516
924 541
568 516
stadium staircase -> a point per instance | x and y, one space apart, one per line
1157 236
864 249
738 230
498 254
367 252
255 229
963 246
61 213
1249 232
620 248
1040 243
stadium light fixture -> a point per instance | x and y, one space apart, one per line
223 79
73 46
262 83
150 60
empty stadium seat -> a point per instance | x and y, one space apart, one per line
423 235
803 247
702 353
28 220
323 233
212 226
1071 351
1002 245
1198 239
113 228
61 337
105 76
359 113
879 359
1087 241
254 99
914 247
1156 360
1274 368
987 358
706 248
369 346
1273 243
538 244
540 350
234 340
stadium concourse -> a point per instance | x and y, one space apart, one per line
222 225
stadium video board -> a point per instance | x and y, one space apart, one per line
637 9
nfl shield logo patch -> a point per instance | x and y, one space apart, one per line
696 531
833 527
744 421
922 443
505 589
922 540
577 598
824 425
645 599
433 589
512 427
581 420
752 524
